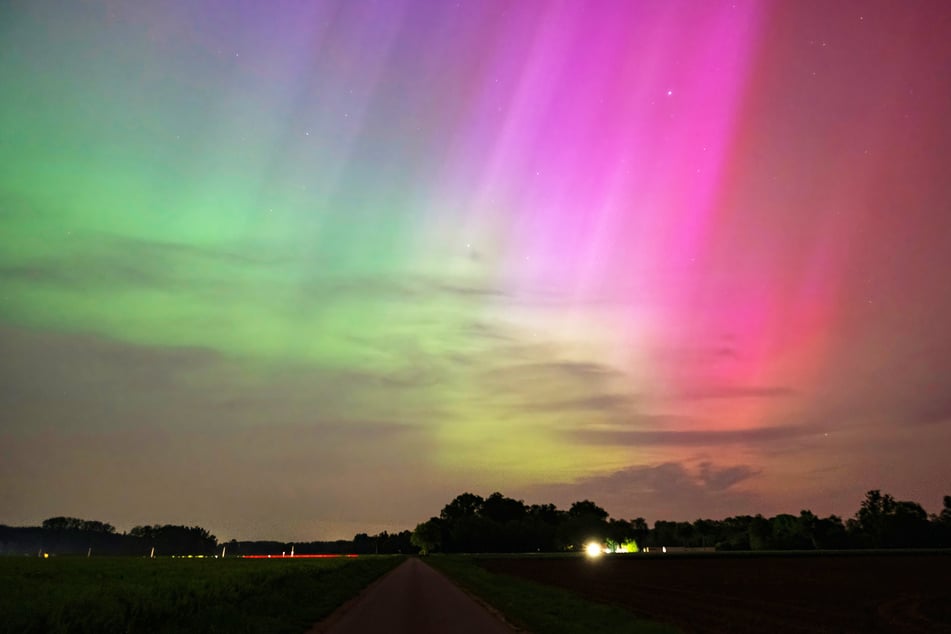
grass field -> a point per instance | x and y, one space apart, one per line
64 594
540 608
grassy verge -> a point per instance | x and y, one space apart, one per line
540 608
177 595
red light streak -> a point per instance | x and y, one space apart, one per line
297 556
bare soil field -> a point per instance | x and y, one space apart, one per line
825 592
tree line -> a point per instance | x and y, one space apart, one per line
471 523
383 543
75 536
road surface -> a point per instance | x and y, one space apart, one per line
415 599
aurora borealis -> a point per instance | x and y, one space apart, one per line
297 269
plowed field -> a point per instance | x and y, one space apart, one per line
771 593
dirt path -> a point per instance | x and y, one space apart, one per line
413 598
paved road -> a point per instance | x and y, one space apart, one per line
415 599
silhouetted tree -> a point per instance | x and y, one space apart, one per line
640 529
498 523
585 521
462 506
398 543
76 524
868 526
176 540
499 508
706 531
428 536
542 522
787 533
664 533
619 531
685 534
908 527
761 533
734 533
942 524
883 522
363 544
830 533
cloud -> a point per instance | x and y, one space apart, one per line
930 409
668 490
486 331
186 435
690 438
595 402
584 372
467 291
674 477
106 261
62 380
62 367
584 369
161 250
734 392
726 352
267 481
537 385
722 478
329 287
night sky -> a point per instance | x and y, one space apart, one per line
296 269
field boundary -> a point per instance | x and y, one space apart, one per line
331 619
488 607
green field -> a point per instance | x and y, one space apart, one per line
65 594
539 608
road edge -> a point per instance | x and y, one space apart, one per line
488 607
326 624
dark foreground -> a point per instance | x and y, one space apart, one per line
902 593
100 595
413 599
